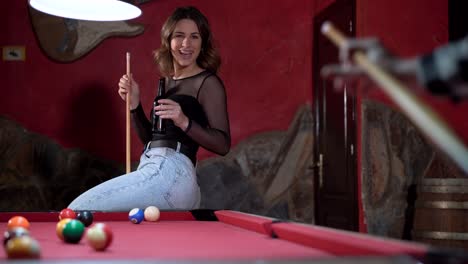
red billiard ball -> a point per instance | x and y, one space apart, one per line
22 247
99 236
18 221
67 213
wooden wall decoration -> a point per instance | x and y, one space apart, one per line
66 40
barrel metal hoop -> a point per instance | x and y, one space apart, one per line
445 182
440 235
442 204
444 189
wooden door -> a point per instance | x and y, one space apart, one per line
335 179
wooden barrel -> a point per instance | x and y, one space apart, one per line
441 212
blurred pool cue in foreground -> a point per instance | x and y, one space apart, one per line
422 116
127 118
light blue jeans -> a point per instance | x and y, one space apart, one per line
164 178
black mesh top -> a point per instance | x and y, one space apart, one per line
202 98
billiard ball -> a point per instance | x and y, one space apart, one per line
18 221
14 232
152 213
86 217
136 215
67 213
59 228
22 247
99 236
73 231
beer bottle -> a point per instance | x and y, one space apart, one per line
159 124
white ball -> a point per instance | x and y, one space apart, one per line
152 213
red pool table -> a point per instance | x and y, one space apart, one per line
218 236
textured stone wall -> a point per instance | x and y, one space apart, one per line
266 174
37 174
394 156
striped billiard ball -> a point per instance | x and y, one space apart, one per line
99 236
136 215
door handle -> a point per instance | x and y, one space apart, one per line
320 170
319 165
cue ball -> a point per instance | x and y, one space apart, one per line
152 213
99 236
136 215
18 221
23 247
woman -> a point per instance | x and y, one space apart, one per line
195 112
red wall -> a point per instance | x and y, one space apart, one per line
266 52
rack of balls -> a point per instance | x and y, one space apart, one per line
71 228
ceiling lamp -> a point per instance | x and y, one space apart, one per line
94 10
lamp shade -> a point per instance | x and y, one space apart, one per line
94 10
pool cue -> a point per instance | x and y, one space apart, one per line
127 113
428 121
